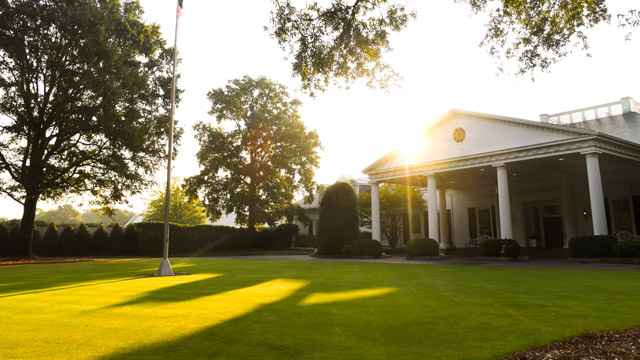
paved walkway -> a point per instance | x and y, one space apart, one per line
400 259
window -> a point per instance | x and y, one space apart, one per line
484 221
622 216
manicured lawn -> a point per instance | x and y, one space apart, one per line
268 309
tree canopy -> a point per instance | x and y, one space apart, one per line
182 210
258 157
395 202
63 214
84 95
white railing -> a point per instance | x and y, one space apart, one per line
592 113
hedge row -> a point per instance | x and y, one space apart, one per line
500 247
146 239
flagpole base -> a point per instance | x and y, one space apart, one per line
165 268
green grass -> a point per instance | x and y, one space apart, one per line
269 309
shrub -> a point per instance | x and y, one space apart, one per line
14 233
67 241
100 241
286 235
364 247
82 246
36 242
592 246
306 241
627 248
4 241
338 224
116 238
490 247
50 240
365 235
423 247
509 247
130 244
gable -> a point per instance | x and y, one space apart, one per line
459 134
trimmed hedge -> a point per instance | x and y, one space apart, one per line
364 247
99 241
306 241
116 239
338 224
500 247
82 245
627 248
50 241
131 240
423 247
590 246
66 241
4 241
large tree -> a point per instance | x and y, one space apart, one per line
63 214
258 156
396 201
84 93
346 39
182 210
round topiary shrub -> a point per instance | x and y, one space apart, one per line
364 247
50 240
338 224
67 241
366 235
423 247
627 248
99 242
116 238
509 247
82 246
490 247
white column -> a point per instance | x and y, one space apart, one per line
375 212
504 202
596 195
432 207
568 210
444 225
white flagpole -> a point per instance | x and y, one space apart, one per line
165 266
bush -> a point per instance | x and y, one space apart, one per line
423 247
306 241
490 247
366 235
338 224
4 241
627 248
100 241
130 242
50 241
82 246
116 238
286 235
592 246
67 241
14 233
36 242
364 247
509 247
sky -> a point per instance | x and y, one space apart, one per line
437 55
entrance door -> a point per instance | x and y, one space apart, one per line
553 232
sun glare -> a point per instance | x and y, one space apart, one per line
407 145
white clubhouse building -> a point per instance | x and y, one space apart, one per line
538 182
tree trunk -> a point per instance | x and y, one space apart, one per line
25 239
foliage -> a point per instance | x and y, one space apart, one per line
338 223
627 248
537 34
37 241
365 235
339 43
490 247
510 248
82 245
183 209
84 90
116 240
423 247
4 241
297 212
591 246
395 202
98 216
306 241
67 241
99 241
131 240
63 214
50 240
260 156
364 247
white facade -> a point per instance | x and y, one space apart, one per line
538 182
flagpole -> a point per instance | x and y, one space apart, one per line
165 266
